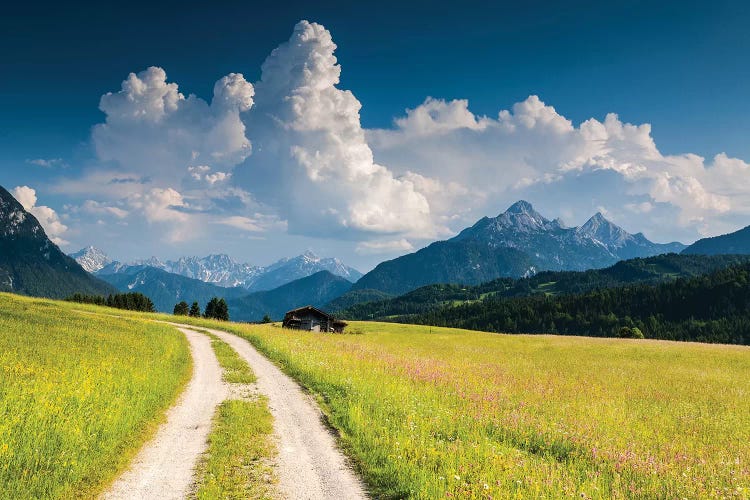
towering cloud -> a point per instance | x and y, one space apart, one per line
290 152
312 161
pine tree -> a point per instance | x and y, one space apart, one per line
210 311
181 309
222 310
195 310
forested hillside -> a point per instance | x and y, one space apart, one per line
31 264
651 270
709 308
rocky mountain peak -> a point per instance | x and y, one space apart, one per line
604 231
31 264
310 256
16 222
91 258
521 207
522 217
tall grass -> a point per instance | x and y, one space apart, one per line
434 412
79 394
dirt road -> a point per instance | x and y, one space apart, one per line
164 467
309 464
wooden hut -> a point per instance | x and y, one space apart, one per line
312 319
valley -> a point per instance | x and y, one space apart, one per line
449 398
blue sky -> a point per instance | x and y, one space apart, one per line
681 67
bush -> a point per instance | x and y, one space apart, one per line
627 332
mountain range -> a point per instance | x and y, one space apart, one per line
165 289
518 242
31 264
221 269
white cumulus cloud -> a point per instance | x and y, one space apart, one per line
290 153
533 149
312 161
153 129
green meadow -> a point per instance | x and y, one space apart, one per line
433 412
79 394
444 413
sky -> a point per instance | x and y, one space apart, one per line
367 130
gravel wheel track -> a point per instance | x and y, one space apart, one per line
310 466
163 468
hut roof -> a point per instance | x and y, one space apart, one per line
314 310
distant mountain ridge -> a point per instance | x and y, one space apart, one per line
287 270
222 270
518 242
597 243
31 264
165 289
737 242
315 290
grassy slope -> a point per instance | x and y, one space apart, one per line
429 412
78 395
471 414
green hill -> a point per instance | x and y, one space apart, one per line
708 308
316 290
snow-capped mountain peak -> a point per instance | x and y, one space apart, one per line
222 270
91 258
597 243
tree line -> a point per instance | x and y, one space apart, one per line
650 270
216 308
133 301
